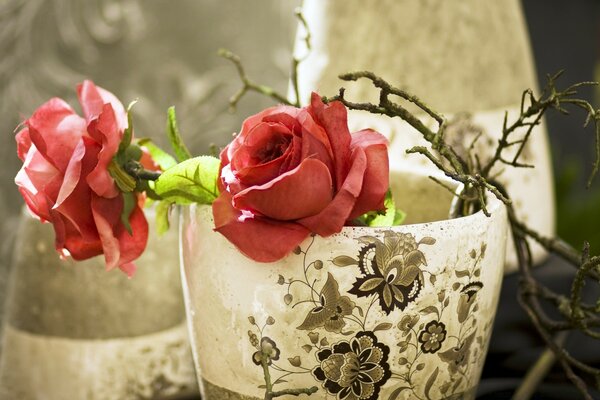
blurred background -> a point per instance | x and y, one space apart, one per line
164 52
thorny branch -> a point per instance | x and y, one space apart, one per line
478 179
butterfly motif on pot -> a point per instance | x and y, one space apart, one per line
330 309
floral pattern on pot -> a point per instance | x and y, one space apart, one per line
355 369
390 269
391 274
432 336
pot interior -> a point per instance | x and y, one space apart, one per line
422 199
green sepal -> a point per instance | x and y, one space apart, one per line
133 152
128 133
160 157
124 181
181 151
192 181
162 216
129 201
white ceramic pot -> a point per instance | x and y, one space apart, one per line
370 313
459 56
75 331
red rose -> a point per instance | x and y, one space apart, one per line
292 171
65 178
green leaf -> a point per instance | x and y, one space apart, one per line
161 157
390 217
129 201
162 216
192 181
181 151
399 217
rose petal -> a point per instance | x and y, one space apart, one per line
333 217
118 245
132 246
37 180
148 162
106 131
250 122
292 157
333 118
55 129
72 174
249 234
285 115
315 143
299 193
250 168
74 196
68 237
376 179
93 98
107 214
129 269
23 143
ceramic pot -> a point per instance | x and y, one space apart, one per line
469 60
378 312
75 331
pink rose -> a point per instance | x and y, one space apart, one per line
292 171
65 179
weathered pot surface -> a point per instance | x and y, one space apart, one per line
75 331
369 313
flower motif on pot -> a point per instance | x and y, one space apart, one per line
458 356
466 300
330 310
432 336
267 351
408 322
391 269
354 370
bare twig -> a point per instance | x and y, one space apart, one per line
297 60
249 85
